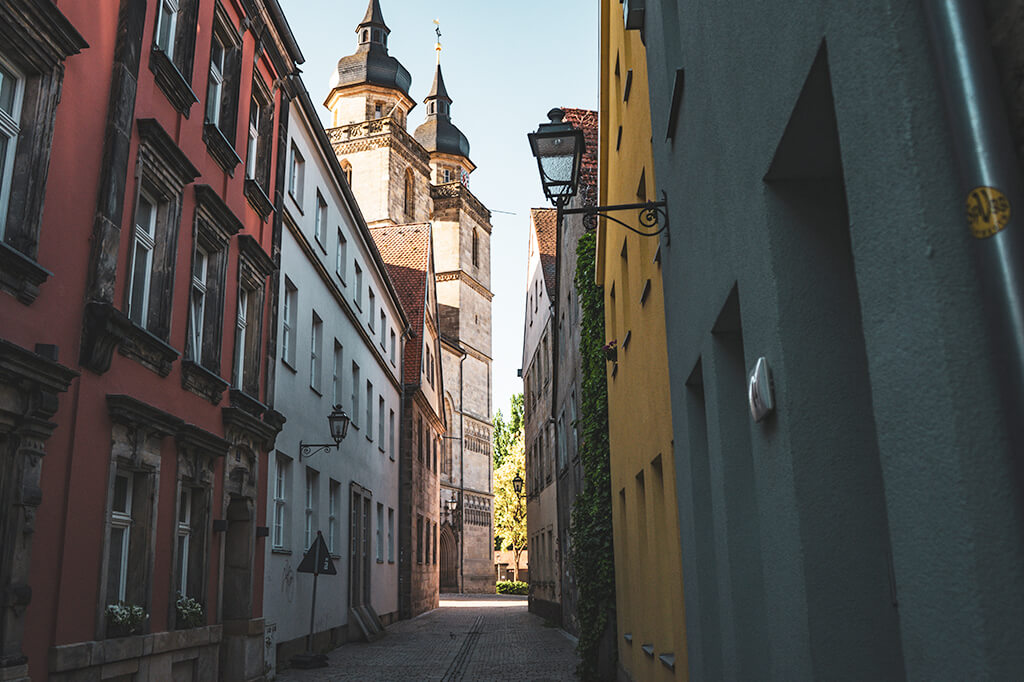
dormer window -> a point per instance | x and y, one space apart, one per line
431 108
446 175
366 36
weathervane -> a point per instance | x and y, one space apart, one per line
437 30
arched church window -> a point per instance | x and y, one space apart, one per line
476 248
346 168
430 108
366 35
409 193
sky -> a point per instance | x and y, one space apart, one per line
505 65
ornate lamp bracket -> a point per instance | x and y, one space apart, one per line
307 450
650 214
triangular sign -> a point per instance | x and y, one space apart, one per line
317 559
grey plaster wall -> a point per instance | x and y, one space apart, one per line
871 528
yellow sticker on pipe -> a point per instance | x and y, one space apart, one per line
988 211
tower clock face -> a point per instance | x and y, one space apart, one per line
464 178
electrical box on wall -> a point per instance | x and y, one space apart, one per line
633 14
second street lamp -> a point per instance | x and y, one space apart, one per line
337 422
517 485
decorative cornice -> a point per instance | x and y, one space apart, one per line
220 148
254 254
124 409
39 32
452 275
376 133
466 200
171 82
164 156
200 440
212 207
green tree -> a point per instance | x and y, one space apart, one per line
507 433
509 507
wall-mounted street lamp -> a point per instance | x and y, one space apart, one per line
517 485
338 422
558 147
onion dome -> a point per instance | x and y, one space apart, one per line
371 63
438 133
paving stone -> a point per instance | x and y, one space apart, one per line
474 638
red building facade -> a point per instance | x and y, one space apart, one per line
141 176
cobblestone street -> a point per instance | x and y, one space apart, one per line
477 638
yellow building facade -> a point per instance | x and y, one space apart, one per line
648 567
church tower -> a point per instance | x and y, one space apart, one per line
370 104
399 178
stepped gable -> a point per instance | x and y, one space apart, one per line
546 229
405 249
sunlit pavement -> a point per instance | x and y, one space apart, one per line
470 637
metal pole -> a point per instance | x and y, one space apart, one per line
992 186
312 607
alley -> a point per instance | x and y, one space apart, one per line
470 637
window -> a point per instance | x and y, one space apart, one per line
320 223
12 86
288 315
391 433
142 260
561 443
241 329
391 536
380 533
296 175
446 175
336 374
409 198
333 513
419 439
359 287
419 539
341 257
426 542
184 535
369 410
120 534
310 507
215 89
380 423
378 110
435 543
280 500
373 310
393 346
167 17
315 352
383 328
355 394
252 144
197 309
476 248
346 169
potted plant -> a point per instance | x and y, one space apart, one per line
611 351
189 612
124 619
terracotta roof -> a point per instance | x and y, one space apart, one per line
405 249
587 122
545 227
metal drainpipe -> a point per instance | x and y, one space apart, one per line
462 479
991 180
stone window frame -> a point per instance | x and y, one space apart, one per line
173 72
369 410
219 131
199 455
334 517
320 220
316 353
380 532
476 248
279 528
341 257
289 323
137 434
409 196
37 38
254 267
310 502
355 394
213 227
391 535
337 365
419 538
257 183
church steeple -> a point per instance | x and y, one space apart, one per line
438 134
372 30
438 101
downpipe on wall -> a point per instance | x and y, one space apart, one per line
992 185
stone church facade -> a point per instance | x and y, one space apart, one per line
399 178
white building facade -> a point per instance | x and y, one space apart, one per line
339 335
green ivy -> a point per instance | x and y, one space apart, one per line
593 556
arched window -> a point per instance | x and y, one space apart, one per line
409 193
346 168
366 35
476 248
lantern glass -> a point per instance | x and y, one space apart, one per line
338 422
558 148
517 484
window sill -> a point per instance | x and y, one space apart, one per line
247 403
369 438
171 82
280 550
316 390
297 202
107 328
381 449
391 561
380 561
202 381
258 199
289 365
320 244
220 148
20 276
341 279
